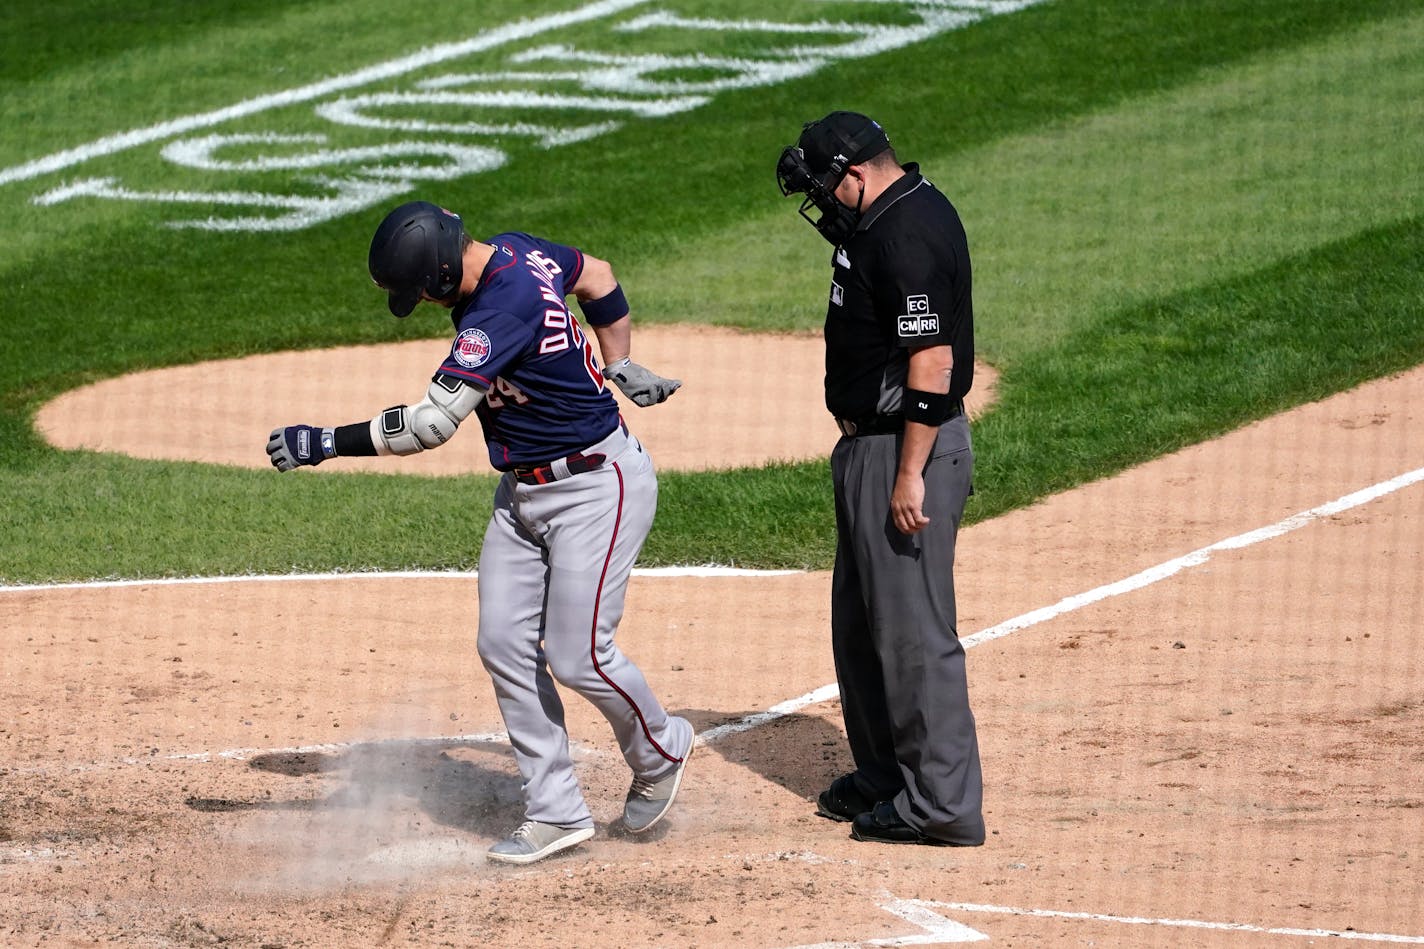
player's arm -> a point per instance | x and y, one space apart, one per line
399 430
605 308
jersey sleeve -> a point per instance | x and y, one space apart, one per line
568 261
915 286
487 342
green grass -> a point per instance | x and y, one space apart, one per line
1211 179
112 517
1164 374
1180 215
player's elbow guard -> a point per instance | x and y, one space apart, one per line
407 429
430 423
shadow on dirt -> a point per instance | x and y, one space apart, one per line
802 753
474 785
464 784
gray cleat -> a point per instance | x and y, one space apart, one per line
649 800
533 840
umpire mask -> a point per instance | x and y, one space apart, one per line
817 163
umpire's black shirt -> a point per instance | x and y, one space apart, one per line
901 280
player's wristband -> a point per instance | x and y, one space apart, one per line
609 308
350 440
927 408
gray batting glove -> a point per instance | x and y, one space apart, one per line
643 386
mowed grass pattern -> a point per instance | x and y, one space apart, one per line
1242 167
1197 186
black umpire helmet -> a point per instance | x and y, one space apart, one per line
828 147
417 247
818 162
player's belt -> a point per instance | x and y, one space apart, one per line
559 468
885 424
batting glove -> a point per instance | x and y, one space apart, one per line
298 445
641 385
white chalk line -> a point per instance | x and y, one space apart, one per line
826 692
936 929
1176 923
1195 559
521 29
781 710
711 571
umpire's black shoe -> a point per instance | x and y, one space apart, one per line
843 801
883 825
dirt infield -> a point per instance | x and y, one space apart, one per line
1225 751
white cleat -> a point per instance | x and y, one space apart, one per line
533 841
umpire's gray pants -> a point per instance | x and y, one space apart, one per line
904 691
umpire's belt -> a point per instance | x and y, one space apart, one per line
885 424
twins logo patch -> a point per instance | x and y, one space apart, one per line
472 348
917 319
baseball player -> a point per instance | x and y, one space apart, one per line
570 513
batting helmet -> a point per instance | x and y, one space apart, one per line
417 247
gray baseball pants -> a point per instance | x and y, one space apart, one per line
552 577
900 667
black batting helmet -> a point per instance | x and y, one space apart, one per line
417 247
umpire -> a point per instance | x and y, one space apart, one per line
899 360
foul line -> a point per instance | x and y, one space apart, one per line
123 141
1196 558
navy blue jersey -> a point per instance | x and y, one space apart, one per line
516 338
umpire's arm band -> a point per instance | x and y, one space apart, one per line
927 408
609 308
